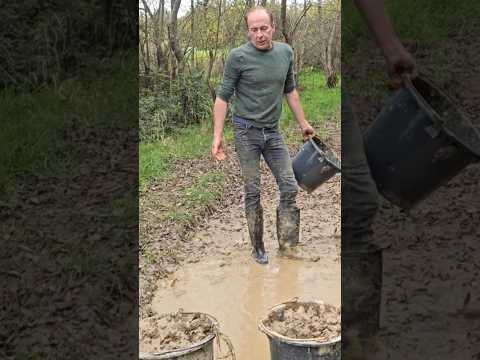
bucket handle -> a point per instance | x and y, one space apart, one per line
407 82
315 146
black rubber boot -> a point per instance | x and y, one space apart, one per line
361 301
288 227
255 229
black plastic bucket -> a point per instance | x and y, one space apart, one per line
201 350
418 142
314 164
285 348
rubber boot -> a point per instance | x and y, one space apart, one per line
255 230
361 301
288 227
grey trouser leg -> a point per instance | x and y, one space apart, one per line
361 258
278 160
250 144
249 149
359 192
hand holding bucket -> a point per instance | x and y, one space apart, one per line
314 164
418 142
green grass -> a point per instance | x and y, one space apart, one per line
34 123
203 192
179 216
156 157
319 103
423 20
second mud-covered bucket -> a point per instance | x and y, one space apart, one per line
314 164
303 330
179 336
418 142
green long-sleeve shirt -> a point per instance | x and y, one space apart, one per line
259 79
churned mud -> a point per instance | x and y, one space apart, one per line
309 320
173 331
214 273
431 261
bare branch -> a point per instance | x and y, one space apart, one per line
147 8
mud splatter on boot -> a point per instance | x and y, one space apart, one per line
288 227
255 229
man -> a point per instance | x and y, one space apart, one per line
260 72
361 257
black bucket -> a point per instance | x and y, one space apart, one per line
418 142
285 348
314 164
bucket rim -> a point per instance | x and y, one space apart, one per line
432 113
310 342
338 167
169 354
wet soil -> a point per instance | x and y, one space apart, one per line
431 258
57 294
307 320
215 274
173 331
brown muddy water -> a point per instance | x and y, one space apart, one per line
240 292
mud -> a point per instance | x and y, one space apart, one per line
215 274
308 320
238 293
431 254
173 331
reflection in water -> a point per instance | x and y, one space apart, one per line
240 293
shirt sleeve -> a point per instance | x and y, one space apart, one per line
231 74
290 79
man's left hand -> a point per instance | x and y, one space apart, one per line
307 132
399 63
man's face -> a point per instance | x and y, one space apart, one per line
260 30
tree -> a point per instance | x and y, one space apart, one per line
329 19
177 62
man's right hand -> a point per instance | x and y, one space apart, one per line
217 149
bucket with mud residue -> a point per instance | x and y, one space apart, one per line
314 164
302 330
418 142
180 336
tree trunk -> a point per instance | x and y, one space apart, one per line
172 37
212 53
192 30
331 75
147 47
284 23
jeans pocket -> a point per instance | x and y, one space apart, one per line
240 130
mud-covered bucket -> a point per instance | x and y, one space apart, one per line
418 142
283 347
314 164
199 350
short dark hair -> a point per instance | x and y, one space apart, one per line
255 8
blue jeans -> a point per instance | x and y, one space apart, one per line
250 144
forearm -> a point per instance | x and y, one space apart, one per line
219 113
293 101
379 23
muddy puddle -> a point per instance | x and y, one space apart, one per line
239 293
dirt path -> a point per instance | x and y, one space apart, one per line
215 273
